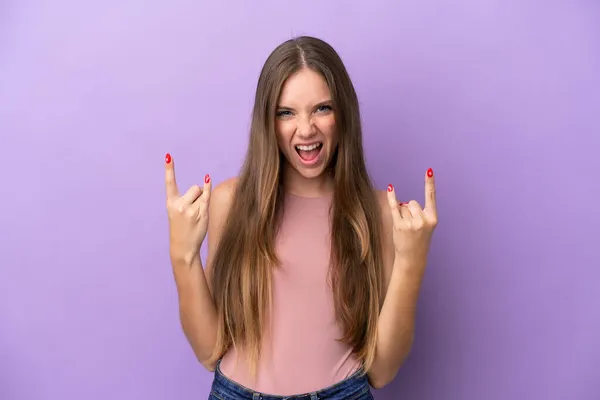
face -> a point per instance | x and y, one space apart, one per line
305 123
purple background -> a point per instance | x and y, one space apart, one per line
500 97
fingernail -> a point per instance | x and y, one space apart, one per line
168 158
390 187
430 172
206 178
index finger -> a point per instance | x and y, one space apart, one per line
430 203
171 184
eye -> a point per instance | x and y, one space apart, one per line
283 113
324 108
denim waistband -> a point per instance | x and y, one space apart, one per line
354 387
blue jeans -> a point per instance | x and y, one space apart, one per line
355 387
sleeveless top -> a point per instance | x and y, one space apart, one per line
300 350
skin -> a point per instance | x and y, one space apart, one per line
188 224
407 231
304 115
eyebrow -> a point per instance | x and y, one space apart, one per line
322 103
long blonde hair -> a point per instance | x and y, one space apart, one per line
245 255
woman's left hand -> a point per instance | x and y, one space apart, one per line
413 226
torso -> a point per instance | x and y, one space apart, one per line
300 351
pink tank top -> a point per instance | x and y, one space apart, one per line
300 353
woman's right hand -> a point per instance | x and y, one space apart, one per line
188 216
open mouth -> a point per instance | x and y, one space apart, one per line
309 153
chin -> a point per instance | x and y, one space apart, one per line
309 173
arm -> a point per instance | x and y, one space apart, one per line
396 322
407 231
196 307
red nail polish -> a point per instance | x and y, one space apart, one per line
206 178
168 158
390 187
403 203
430 172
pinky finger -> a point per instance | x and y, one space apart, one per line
394 209
206 189
202 202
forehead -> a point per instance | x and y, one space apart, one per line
304 88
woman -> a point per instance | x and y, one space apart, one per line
312 275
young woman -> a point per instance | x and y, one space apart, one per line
312 275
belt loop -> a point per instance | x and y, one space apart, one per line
255 396
313 396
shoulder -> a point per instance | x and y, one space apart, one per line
222 194
221 199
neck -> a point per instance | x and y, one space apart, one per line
302 186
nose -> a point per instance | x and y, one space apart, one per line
305 128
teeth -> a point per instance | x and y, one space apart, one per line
308 148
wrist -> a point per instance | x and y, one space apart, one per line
410 264
185 272
184 261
